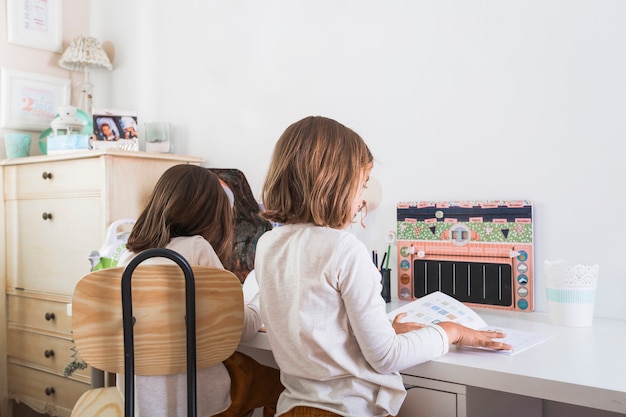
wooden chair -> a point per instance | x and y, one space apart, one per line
141 331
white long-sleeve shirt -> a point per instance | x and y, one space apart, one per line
327 324
166 396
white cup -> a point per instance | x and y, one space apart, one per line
571 292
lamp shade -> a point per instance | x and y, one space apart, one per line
85 53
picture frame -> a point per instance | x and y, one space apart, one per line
35 24
29 100
114 128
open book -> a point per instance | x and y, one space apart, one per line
438 306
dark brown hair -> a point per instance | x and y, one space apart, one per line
249 225
187 200
315 173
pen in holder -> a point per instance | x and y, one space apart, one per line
385 280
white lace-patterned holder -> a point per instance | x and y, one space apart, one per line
571 292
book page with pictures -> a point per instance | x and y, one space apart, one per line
438 306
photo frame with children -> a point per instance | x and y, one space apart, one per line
112 126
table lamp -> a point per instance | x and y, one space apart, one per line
85 54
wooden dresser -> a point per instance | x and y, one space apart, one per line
55 210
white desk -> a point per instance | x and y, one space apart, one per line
580 366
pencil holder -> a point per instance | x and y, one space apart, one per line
385 280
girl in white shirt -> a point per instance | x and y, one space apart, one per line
189 212
326 322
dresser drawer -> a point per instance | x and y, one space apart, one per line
50 352
54 177
38 313
42 386
50 255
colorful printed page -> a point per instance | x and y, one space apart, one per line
438 306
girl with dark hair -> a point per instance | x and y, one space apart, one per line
189 212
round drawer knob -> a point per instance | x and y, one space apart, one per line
48 353
49 391
50 316
46 216
46 175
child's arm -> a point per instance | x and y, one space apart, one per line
457 334
403 327
464 336
252 322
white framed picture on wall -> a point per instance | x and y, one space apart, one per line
30 100
35 24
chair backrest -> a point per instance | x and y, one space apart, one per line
158 302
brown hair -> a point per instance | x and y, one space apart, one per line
249 225
315 173
187 200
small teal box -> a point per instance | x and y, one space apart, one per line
67 143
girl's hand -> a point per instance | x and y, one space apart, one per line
403 327
464 336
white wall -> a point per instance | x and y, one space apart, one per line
457 100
